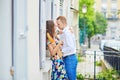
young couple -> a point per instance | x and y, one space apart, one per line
63 68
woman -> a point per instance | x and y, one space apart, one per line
58 67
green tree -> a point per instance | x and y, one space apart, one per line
100 24
118 12
95 23
88 18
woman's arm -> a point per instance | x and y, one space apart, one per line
53 48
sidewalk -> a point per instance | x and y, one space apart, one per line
86 67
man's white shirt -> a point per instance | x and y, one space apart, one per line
69 43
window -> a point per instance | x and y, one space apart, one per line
113 0
42 31
112 32
103 1
61 7
113 7
113 10
113 28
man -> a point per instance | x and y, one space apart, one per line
68 48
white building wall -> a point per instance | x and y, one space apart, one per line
33 64
20 40
5 40
67 12
38 65
74 17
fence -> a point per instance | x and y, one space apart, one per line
93 63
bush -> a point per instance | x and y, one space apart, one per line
80 59
80 76
107 75
98 63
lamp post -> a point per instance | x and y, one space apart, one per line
84 10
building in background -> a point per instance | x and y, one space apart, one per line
110 9
23 36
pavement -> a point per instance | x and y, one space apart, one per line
87 68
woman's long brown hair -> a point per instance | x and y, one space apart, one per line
50 28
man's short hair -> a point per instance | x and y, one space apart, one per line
62 19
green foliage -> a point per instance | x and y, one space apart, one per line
90 11
107 75
80 76
94 23
81 23
88 17
98 63
100 23
118 12
80 59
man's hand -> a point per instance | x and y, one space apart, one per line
71 30
61 42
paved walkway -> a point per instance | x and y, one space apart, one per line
86 67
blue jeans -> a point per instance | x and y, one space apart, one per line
71 66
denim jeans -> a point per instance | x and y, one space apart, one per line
71 65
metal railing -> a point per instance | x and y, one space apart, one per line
90 67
